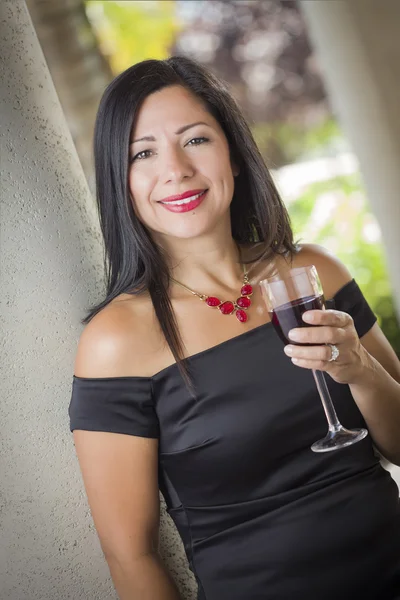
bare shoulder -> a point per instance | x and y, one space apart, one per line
332 272
123 339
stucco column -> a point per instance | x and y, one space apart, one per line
51 259
358 47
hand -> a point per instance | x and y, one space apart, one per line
335 327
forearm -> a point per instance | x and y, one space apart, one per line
377 395
144 578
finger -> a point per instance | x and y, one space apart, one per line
334 318
318 335
316 365
319 353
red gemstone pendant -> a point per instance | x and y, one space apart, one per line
227 308
241 316
247 290
213 301
243 302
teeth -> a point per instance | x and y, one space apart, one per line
185 201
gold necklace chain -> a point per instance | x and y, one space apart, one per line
227 307
204 296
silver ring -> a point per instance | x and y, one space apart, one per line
335 352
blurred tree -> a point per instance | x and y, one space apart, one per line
129 32
78 68
261 49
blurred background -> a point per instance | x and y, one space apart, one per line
261 48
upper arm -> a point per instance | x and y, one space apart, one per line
334 275
120 476
120 471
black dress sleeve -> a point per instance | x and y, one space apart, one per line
350 299
114 404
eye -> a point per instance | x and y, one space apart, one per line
140 155
197 141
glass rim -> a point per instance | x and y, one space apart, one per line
296 272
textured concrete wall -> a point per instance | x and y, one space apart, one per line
51 258
358 46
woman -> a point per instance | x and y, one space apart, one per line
190 217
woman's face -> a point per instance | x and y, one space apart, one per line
180 175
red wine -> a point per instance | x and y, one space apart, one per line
288 316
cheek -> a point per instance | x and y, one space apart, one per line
140 187
220 171
226 177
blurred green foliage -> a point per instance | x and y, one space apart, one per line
286 143
335 214
129 32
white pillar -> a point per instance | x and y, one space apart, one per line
358 46
51 257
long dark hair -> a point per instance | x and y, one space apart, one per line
133 262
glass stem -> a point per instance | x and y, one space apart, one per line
326 400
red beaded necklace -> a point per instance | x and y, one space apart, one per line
227 307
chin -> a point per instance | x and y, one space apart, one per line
197 225
187 234
193 230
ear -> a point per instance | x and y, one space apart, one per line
235 168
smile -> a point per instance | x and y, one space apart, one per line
186 204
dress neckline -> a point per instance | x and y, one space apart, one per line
190 358
214 348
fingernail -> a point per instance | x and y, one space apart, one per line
294 334
309 317
295 361
288 350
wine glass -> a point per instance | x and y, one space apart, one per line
287 297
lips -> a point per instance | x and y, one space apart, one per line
184 202
177 198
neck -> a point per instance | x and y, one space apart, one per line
205 263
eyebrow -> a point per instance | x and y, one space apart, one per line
150 138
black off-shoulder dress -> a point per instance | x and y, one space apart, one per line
261 516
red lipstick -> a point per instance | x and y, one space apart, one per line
184 202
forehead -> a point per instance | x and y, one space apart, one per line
171 107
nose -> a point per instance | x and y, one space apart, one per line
176 165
